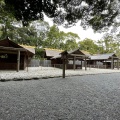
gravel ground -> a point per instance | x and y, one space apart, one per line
90 97
48 72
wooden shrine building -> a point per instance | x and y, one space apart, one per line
109 60
14 56
73 55
49 53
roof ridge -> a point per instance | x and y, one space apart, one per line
103 54
53 49
28 46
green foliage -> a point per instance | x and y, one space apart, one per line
59 40
100 46
25 35
95 13
6 18
7 29
53 38
71 45
70 41
88 45
109 44
39 53
6 13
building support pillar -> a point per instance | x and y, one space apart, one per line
63 68
81 64
118 64
74 59
85 64
112 63
18 61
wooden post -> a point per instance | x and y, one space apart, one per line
85 64
74 62
63 68
118 64
105 65
112 63
81 64
18 61
64 59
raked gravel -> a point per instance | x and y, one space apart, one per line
48 72
88 97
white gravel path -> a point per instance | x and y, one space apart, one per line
48 72
88 97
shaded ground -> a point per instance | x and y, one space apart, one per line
90 97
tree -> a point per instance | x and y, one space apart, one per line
34 34
5 10
7 28
59 40
41 27
100 47
71 45
70 41
110 44
39 53
95 13
6 18
88 45
53 40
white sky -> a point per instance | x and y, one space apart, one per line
89 33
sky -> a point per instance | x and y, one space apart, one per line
89 33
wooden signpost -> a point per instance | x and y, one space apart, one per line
64 58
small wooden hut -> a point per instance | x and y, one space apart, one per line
14 56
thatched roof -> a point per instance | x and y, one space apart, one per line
75 51
7 43
86 53
29 48
52 52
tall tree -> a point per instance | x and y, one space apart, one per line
59 40
34 34
6 18
52 37
110 44
95 13
41 27
71 45
88 45
7 28
55 38
100 46
70 41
